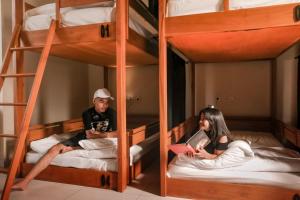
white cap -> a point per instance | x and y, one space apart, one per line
102 93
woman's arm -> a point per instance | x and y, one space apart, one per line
204 154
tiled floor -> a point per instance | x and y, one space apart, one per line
145 188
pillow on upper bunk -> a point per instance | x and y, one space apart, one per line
238 153
257 139
43 145
242 4
47 9
50 9
99 143
87 16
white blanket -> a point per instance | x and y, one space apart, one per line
238 153
266 159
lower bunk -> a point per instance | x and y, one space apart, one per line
96 164
255 166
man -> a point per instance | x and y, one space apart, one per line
99 122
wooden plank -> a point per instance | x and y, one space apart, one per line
163 98
26 48
8 53
230 46
249 123
19 11
226 5
7 136
28 113
201 189
17 75
233 20
72 43
58 14
13 104
74 3
121 35
69 175
19 90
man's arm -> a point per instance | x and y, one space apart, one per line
90 134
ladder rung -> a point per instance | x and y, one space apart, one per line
8 135
26 48
3 170
13 104
17 75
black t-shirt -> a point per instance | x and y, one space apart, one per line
101 122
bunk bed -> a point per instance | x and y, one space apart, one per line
102 171
109 43
222 31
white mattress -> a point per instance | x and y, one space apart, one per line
189 7
76 17
77 162
287 180
272 164
89 159
242 4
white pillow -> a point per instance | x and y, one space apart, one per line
43 145
99 143
93 154
238 153
87 16
47 9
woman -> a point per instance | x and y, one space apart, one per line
213 124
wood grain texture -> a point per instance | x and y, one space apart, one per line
163 98
28 113
214 190
72 43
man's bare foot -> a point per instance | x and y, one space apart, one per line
20 186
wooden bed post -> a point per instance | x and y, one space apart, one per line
19 93
226 5
163 98
193 89
121 38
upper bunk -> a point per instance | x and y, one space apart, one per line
231 30
86 31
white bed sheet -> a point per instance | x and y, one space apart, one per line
189 7
77 17
272 164
77 162
242 4
286 180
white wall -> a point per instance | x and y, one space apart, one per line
286 107
243 88
142 83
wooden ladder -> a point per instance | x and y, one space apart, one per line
29 106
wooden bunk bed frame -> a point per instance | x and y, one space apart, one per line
136 133
107 44
232 35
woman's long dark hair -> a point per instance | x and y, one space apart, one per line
216 122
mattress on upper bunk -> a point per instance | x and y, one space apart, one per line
189 7
264 162
40 18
